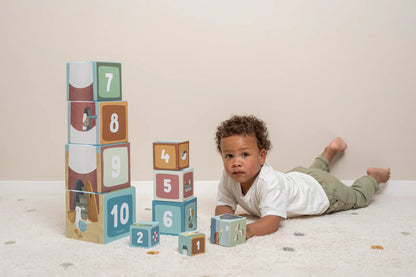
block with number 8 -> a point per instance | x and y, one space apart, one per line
191 243
105 167
144 234
170 155
175 217
100 217
170 185
97 122
93 81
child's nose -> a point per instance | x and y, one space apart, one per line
236 162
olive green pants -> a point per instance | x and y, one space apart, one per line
341 197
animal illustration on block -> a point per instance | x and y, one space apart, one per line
97 123
228 230
170 155
108 215
175 217
105 167
171 185
144 234
93 81
191 243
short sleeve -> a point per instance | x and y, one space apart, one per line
224 194
273 201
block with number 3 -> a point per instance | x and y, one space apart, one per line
171 185
105 167
191 243
97 122
170 155
93 81
100 217
175 217
144 234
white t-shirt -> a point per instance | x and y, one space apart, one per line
275 193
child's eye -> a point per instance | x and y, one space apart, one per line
228 156
245 155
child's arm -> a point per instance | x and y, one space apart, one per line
264 226
223 209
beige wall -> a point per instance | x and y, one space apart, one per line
311 69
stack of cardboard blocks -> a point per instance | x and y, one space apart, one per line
174 205
100 202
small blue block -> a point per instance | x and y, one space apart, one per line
144 234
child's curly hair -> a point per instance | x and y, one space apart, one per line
246 125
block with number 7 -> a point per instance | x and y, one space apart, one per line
170 155
175 217
171 185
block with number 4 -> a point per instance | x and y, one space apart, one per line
100 217
175 217
228 230
171 185
191 243
170 155
93 81
144 234
105 167
97 122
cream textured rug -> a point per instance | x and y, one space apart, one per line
32 240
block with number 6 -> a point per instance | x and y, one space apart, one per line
105 167
97 122
100 217
191 243
144 234
93 81
171 185
175 217
170 155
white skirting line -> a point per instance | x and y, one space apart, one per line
53 187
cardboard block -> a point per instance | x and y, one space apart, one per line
171 185
191 243
144 234
170 155
228 230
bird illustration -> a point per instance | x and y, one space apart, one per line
81 225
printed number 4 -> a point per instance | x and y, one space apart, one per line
165 156
110 78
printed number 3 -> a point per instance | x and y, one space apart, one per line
110 78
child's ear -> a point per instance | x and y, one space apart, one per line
262 156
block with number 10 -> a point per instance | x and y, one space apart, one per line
170 155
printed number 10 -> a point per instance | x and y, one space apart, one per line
124 214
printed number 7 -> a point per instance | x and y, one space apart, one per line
110 77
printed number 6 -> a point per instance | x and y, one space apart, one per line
167 219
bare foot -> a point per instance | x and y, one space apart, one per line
382 175
336 146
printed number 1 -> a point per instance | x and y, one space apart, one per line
198 245
110 78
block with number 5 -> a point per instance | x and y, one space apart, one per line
170 185
97 122
100 217
170 155
175 217
105 167
144 234
93 81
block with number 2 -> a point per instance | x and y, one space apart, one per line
144 234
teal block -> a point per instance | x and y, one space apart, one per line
191 243
144 234
93 81
175 217
228 230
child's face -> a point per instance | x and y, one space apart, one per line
242 158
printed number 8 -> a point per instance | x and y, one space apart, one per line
114 125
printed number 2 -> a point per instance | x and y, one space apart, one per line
124 214
139 237
110 78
